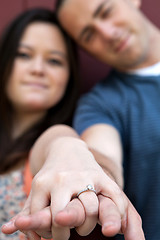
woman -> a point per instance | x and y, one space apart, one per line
38 70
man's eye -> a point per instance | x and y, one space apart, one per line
88 37
106 12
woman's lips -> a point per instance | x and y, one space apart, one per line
35 84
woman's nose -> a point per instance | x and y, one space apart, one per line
37 66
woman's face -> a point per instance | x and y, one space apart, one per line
40 71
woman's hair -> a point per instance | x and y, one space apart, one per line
12 151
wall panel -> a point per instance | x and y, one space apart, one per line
41 3
8 10
151 8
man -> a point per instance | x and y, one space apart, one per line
126 104
121 114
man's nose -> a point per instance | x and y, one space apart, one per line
107 30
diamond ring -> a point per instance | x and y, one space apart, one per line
89 187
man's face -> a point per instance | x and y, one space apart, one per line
114 31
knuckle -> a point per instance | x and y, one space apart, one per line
60 177
38 182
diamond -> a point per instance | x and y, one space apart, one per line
89 187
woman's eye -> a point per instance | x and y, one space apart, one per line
23 55
55 62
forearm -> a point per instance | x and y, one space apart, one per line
105 143
44 144
109 167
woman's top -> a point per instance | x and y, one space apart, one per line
12 199
14 189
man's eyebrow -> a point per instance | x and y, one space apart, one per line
98 10
95 14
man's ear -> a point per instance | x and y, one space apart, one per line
137 3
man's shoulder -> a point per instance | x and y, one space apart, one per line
108 84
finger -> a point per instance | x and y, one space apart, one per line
73 215
132 225
39 222
90 205
114 192
109 216
90 202
31 235
58 203
26 209
40 197
9 227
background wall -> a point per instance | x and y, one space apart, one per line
91 69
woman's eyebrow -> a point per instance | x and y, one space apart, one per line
54 52
58 53
24 45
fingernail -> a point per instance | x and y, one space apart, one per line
8 224
108 224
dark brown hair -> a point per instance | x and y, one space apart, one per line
12 151
58 4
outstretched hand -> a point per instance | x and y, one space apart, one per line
52 207
73 216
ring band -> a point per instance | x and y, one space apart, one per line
89 187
